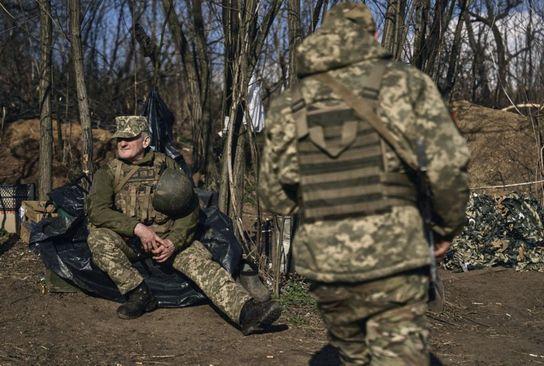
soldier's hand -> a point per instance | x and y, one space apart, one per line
147 236
440 249
163 251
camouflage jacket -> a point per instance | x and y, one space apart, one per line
102 210
370 247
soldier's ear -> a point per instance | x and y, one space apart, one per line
147 141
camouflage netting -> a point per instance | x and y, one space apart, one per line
503 231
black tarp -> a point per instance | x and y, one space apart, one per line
61 241
161 120
62 245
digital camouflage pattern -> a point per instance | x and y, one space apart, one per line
112 255
370 272
501 230
215 282
411 107
130 126
382 321
114 214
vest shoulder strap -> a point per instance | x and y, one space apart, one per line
298 108
119 179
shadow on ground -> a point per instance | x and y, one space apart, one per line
329 356
8 243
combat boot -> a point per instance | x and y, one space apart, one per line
249 279
255 315
139 301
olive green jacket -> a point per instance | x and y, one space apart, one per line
101 210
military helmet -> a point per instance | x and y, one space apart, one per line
174 195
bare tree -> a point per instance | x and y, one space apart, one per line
46 130
83 101
430 36
295 35
455 50
196 77
394 27
494 13
244 39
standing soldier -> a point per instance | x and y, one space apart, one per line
342 146
144 195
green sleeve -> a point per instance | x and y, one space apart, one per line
415 112
184 229
279 170
448 156
100 206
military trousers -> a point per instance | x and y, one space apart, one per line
380 322
111 253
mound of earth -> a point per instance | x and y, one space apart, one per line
20 149
502 145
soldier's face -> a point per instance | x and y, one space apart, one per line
132 149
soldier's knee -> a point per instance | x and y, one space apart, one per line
102 239
197 249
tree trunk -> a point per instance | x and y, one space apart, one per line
83 101
244 39
441 21
394 27
422 19
46 130
204 69
455 51
193 83
295 36
479 72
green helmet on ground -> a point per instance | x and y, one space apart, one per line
174 195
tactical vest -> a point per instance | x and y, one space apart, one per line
341 160
134 186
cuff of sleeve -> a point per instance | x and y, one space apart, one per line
128 229
179 242
446 233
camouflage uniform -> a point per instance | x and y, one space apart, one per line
369 272
113 213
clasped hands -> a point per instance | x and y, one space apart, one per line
162 249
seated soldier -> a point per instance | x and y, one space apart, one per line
129 199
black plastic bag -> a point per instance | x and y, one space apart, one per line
71 197
161 120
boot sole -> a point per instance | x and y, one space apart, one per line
273 314
269 317
149 307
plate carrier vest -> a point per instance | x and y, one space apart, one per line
134 186
341 155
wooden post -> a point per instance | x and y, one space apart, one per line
279 223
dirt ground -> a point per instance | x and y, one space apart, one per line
491 318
